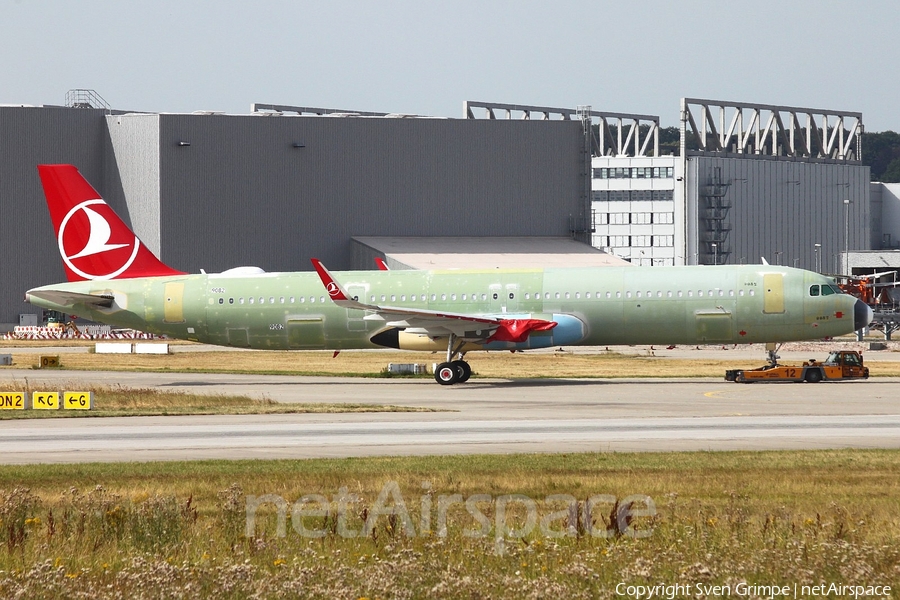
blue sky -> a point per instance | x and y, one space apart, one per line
428 57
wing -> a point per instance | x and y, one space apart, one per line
71 299
464 326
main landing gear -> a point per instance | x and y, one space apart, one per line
453 371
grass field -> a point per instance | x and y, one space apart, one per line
167 530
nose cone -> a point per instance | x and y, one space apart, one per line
862 315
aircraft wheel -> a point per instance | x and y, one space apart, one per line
446 374
813 376
463 369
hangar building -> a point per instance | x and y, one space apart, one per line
282 184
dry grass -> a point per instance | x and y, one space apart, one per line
118 401
372 363
171 530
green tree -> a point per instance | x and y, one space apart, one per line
879 151
892 173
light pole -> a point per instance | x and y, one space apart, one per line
715 248
847 204
778 254
818 268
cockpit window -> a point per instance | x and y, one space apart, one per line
814 290
827 290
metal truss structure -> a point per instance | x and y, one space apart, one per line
612 134
741 129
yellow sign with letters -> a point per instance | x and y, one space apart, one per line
12 400
78 400
45 400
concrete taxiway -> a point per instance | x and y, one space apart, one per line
483 415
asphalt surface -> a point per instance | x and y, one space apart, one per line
483 415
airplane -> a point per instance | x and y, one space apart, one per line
115 279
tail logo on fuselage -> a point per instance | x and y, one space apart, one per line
333 289
116 257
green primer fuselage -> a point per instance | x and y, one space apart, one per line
617 305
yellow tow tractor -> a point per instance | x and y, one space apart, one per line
841 365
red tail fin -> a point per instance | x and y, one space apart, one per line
93 241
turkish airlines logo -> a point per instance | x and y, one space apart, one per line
97 257
333 289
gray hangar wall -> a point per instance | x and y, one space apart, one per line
30 136
782 206
274 191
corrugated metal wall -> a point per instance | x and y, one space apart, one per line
135 147
788 207
242 193
29 137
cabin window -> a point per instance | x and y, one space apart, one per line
649 294
292 299
302 299
371 298
741 293
433 297
444 296
382 297
690 294
814 290
752 292
495 296
463 296
322 299
252 300
731 293
669 294
577 295
511 295
231 301
527 295
393 298
709 293
608 295
567 295
556 295
680 294
659 294
588 295
484 296
638 294
628 294
453 297
221 300
618 294
312 299
546 295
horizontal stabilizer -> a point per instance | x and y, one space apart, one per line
70 299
